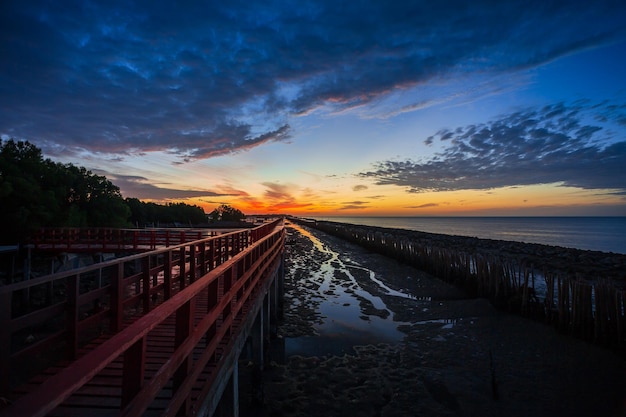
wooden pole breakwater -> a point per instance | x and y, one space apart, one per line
579 292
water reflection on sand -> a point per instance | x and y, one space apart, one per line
344 322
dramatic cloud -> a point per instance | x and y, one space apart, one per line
141 188
354 205
554 144
279 192
427 205
202 79
359 188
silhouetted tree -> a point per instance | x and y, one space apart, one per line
37 192
27 190
152 214
226 213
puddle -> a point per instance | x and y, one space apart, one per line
448 323
343 322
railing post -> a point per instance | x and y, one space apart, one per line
192 263
228 282
133 371
216 251
72 314
202 259
117 297
167 275
235 388
145 283
121 240
182 265
5 341
184 328
212 293
211 253
237 275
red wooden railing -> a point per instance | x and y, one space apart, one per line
240 277
102 239
63 309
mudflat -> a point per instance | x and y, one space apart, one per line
456 356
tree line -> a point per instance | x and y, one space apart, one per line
37 192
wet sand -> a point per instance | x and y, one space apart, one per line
418 347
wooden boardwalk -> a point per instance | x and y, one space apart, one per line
113 240
174 357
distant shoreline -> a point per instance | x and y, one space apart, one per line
571 261
595 233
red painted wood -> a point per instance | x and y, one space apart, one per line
72 315
164 358
133 371
184 328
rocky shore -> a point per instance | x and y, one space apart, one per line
575 262
457 356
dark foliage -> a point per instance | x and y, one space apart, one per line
152 214
226 213
37 192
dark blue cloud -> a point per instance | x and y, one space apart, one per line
208 78
142 188
552 144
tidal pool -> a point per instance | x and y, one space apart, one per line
349 314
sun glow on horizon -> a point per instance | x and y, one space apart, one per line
540 200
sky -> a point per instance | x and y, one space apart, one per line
319 108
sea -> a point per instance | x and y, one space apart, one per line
605 234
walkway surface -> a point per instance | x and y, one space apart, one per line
102 395
185 314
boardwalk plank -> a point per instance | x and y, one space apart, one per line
101 396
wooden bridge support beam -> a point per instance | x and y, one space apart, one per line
255 341
280 287
252 329
229 403
266 318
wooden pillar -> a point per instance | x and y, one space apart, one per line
167 275
145 283
192 264
280 284
5 341
229 403
212 291
184 327
273 300
202 258
133 371
117 297
72 315
266 316
256 340
182 268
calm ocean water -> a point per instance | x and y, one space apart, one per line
607 234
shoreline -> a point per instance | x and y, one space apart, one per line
453 350
547 257
580 293
596 233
